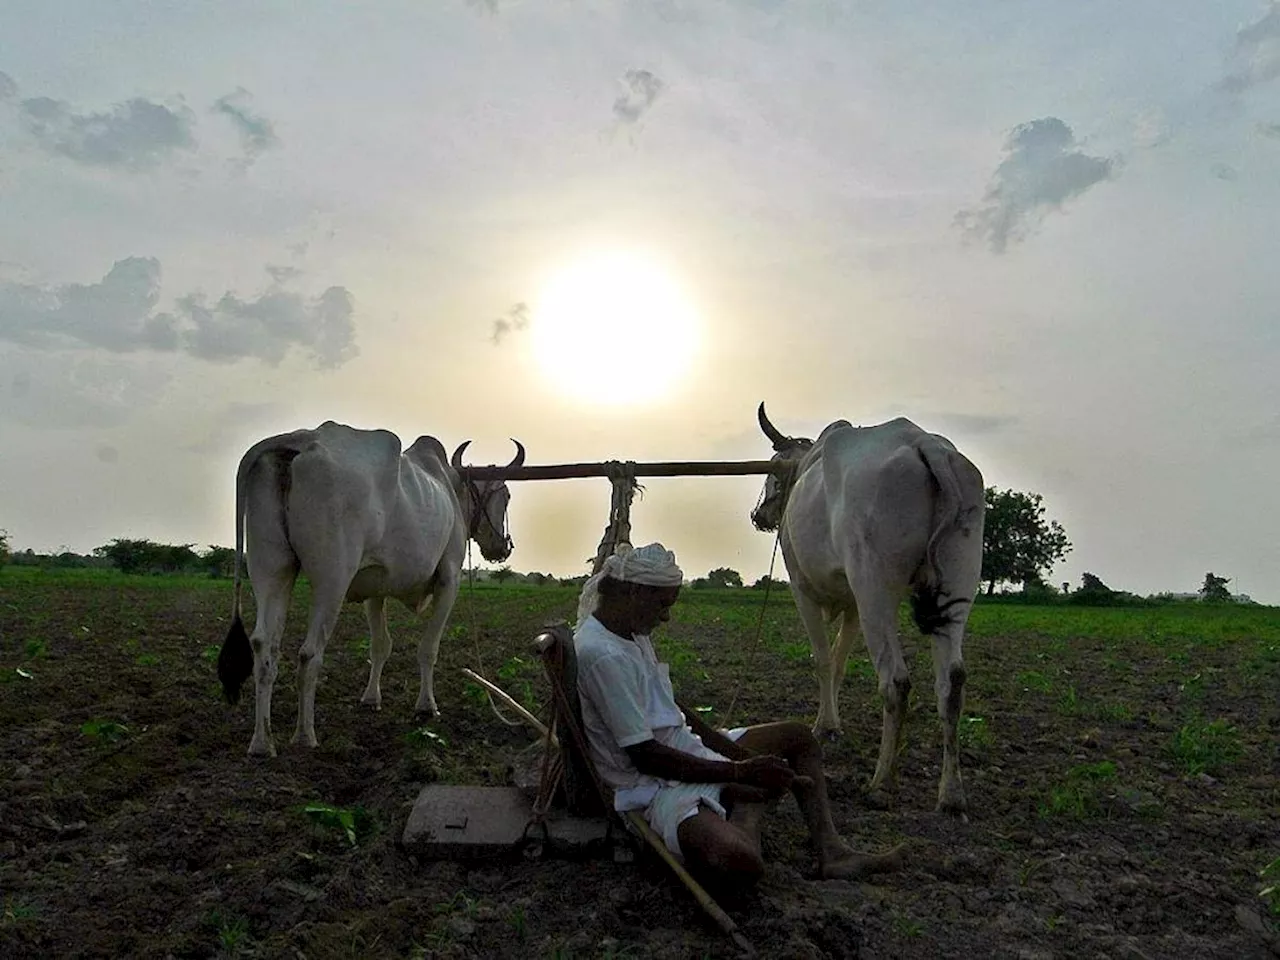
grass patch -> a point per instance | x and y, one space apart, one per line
975 733
1035 680
1079 796
105 731
1203 746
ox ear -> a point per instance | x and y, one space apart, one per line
456 460
519 458
776 437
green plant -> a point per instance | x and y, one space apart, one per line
147 660
107 730
975 732
422 736
356 823
1270 874
1201 746
512 678
1078 796
15 911
518 923
35 649
210 653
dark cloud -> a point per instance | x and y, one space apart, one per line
232 329
256 132
1271 130
1225 172
134 135
517 318
8 88
106 453
1042 169
118 314
1256 57
640 89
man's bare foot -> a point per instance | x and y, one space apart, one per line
853 865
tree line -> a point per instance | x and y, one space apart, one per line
1020 547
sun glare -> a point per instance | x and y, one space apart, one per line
614 328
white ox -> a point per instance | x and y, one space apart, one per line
364 522
868 516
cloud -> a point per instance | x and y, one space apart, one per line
641 89
1271 130
60 392
283 274
517 318
134 135
1042 169
8 88
118 314
1225 172
256 132
1256 57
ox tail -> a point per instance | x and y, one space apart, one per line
235 659
929 609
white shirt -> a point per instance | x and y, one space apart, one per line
627 699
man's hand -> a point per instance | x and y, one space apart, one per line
771 774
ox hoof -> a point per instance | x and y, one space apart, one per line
305 740
826 734
261 749
954 808
372 704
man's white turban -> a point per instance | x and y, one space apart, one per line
652 565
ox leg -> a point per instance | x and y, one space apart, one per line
442 600
828 722
273 607
949 677
880 628
325 607
375 611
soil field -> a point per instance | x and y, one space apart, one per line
1121 769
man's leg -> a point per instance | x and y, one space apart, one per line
718 851
796 744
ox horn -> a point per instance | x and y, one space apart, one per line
776 437
519 460
456 460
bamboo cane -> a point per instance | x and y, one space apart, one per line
510 701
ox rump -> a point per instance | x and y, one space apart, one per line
866 517
364 521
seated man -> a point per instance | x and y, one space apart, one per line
701 790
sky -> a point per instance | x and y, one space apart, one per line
1044 230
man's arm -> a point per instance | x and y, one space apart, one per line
712 737
656 759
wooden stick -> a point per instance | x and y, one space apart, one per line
681 468
506 698
713 909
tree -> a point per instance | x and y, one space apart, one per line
4 547
219 561
1018 544
724 577
502 574
1215 589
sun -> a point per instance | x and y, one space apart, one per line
614 328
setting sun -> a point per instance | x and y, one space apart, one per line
614 328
